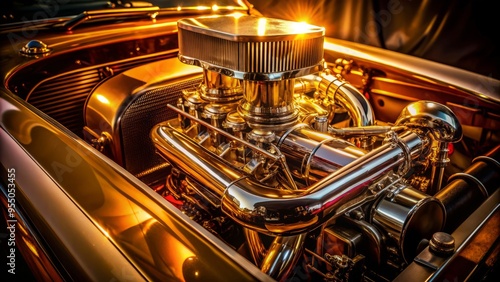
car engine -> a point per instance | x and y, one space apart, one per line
256 137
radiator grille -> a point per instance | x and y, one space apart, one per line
140 117
63 97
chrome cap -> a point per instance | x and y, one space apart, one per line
35 47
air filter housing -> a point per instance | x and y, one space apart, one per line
251 48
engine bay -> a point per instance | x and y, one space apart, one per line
310 160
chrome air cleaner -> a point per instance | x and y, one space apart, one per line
267 54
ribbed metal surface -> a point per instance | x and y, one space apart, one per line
213 50
280 56
63 97
140 117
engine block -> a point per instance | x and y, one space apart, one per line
274 145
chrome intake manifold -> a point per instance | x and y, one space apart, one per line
261 142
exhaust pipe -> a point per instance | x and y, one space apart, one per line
343 94
273 210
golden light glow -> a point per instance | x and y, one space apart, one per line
102 99
301 27
303 12
237 15
412 109
261 26
201 8
215 7
346 50
178 253
31 246
105 232
426 79
179 8
199 23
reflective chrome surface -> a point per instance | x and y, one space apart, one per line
409 216
282 255
312 155
217 87
35 47
266 209
251 48
444 127
348 97
439 119
268 105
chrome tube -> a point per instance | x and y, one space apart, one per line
342 93
444 127
268 104
184 153
273 210
408 217
467 190
276 211
361 131
217 87
257 249
313 155
283 255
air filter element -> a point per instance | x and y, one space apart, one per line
251 48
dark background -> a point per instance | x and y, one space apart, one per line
458 33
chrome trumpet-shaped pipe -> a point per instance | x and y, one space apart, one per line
277 211
341 93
